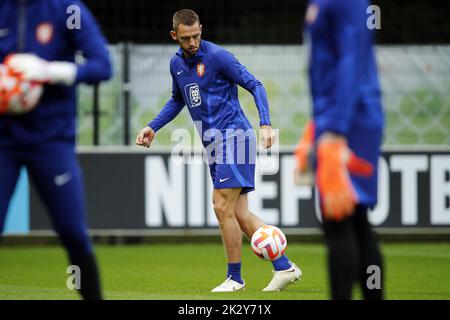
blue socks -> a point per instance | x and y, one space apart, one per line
282 263
234 270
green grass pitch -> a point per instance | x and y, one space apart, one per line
190 271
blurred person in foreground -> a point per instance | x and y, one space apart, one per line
341 143
205 78
38 42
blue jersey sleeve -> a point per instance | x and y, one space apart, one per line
348 37
232 69
170 110
90 41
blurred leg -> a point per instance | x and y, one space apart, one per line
369 252
59 182
9 173
342 257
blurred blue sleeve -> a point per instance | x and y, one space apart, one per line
90 41
170 110
348 37
232 69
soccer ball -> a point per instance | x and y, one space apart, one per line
269 243
17 96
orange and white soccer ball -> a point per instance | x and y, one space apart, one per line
17 96
269 243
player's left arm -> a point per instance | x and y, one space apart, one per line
87 39
232 69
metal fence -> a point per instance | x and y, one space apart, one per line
415 82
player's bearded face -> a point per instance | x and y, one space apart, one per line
188 37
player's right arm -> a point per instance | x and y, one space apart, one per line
145 137
170 110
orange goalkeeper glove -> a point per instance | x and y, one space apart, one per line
303 174
334 163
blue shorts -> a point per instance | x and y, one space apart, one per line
232 163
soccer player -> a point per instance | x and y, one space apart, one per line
205 78
344 137
40 39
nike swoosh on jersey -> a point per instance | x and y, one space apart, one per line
223 180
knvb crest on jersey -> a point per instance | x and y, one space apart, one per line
192 91
311 13
44 33
201 70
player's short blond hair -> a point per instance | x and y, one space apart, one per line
186 17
